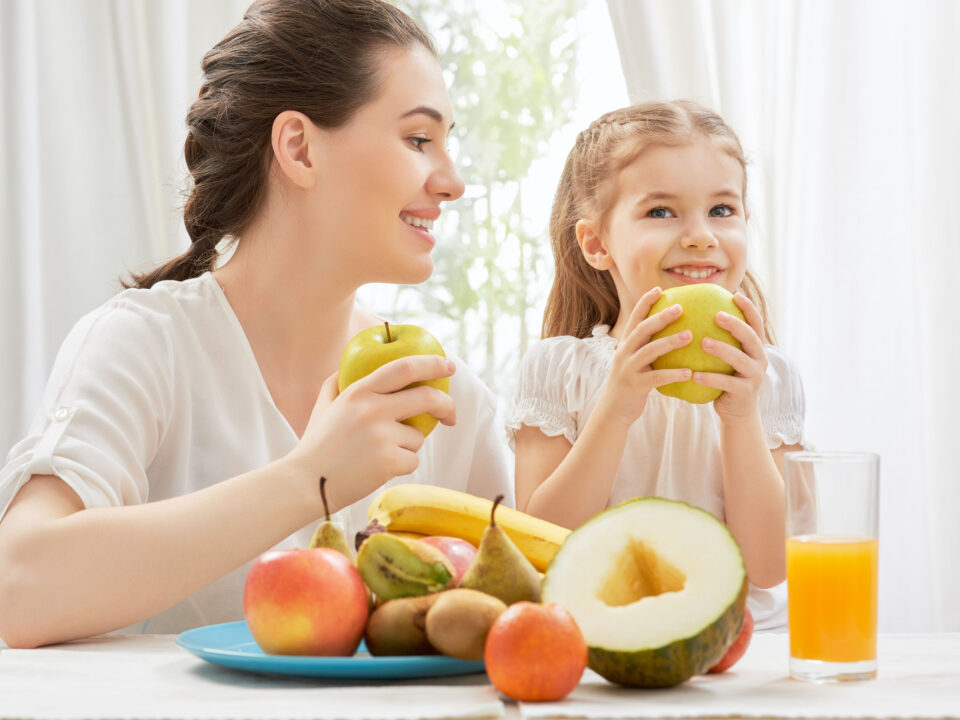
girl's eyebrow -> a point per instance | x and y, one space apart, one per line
661 195
430 112
727 193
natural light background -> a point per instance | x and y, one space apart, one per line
848 111
528 79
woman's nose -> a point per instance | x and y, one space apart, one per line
446 182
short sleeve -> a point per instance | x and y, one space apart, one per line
103 412
782 404
555 378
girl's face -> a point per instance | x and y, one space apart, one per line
386 173
678 219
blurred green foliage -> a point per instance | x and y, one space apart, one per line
511 69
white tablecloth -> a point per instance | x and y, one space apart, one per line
918 677
148 677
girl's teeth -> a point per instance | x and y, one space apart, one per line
417 222
696 274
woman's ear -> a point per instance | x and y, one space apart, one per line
592 247
294 141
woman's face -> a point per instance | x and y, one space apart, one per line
385 174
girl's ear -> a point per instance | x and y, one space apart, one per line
294 141
592 247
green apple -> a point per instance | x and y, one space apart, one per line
376 346
701 302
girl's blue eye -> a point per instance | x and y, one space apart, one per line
660 212
725 211
418 142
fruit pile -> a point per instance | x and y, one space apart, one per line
648 593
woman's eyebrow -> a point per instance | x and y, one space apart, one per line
430 112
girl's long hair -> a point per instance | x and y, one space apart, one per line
319 57
582 296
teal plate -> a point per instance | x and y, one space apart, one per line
232 646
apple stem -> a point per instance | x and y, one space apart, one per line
493 510
323 496
387 326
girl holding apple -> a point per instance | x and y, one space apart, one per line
653 197
188 420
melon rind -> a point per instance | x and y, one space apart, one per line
677 661
674 663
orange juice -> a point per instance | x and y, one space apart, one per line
832 597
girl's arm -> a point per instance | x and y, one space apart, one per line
70 572
753 487
569 485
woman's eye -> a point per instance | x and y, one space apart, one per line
721 211
660 212
418 142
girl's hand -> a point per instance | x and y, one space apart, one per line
631 378
356 439
740 390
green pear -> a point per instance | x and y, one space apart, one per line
500 569
329 534
701 302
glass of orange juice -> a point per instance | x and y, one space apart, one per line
832 507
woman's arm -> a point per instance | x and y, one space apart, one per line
70 572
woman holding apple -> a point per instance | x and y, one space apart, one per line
187 421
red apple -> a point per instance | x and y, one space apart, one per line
459 552
535 652
305 602
739 647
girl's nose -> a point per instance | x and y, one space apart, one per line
698 236
445 181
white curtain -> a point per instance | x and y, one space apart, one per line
849 112
94 96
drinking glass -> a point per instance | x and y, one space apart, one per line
832 542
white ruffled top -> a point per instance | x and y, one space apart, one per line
673 449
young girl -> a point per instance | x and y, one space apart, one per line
187 421
653 196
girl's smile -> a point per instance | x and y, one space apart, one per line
694 273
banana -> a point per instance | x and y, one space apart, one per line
431 510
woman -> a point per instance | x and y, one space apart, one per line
187 421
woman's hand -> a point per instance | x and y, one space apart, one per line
356 439
740 390
631 378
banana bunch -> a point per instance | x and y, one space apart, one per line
431 510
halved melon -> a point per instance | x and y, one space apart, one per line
658 588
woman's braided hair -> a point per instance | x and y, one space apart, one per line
319 57
582 296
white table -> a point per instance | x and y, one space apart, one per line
148 677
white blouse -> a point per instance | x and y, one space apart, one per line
673 449
157 393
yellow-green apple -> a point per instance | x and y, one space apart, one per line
305 602
376 346
459 552
701 302
535 652
739 647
